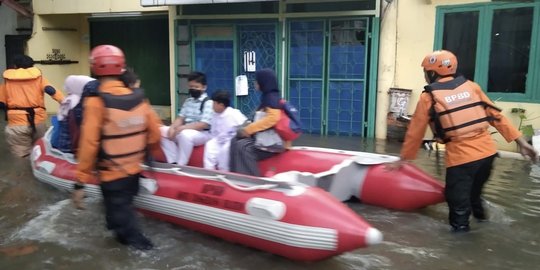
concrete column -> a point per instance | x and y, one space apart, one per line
387 64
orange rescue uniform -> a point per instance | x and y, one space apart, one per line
94 117
25 88
463 150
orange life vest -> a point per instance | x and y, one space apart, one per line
24 96
124 131
457 111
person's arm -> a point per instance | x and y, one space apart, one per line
154 122
416 128
500 122
506 129
2 97
90 137
174 128
227 128
194 125
269 120
178 122
206 118
526 149
181 117
51 91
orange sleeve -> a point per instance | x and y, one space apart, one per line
501 123
154 122
416 128
268 121
3 93
90 135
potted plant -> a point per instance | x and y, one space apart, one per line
526 129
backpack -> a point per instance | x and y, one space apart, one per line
202 103
289 126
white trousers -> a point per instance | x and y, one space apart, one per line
179 149
216 156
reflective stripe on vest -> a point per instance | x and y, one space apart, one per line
30 115
123 135
461 112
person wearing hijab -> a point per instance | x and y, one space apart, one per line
244 151
62 138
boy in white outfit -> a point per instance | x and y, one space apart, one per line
224 124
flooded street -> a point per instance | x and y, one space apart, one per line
39 228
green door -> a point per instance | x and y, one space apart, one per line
145 42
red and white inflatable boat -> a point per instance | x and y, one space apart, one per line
280 216
347 174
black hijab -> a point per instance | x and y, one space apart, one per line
267 80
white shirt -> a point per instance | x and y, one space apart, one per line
225 124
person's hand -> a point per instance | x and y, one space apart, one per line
173 131
77 197
527 150
396 165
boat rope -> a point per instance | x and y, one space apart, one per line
242 188
224 179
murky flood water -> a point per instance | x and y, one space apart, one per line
39 229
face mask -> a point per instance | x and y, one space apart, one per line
194 93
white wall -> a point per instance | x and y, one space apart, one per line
8 18
90 6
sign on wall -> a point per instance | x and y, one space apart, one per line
146 3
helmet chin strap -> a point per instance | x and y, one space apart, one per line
432 76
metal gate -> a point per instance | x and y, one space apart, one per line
327 74
326 67
219 51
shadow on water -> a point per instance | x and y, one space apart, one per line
39 228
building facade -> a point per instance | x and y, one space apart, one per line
15 29
336 60
496 43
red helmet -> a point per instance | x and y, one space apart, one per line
107 60
442 62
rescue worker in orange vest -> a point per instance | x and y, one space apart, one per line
118 126
22 98
460 114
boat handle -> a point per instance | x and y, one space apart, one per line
224 179
252 188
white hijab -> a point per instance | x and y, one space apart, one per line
73 85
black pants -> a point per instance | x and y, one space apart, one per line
244 156
119 211
463 189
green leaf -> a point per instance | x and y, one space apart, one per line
527 130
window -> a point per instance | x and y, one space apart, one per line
496 46
510 45
460 34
